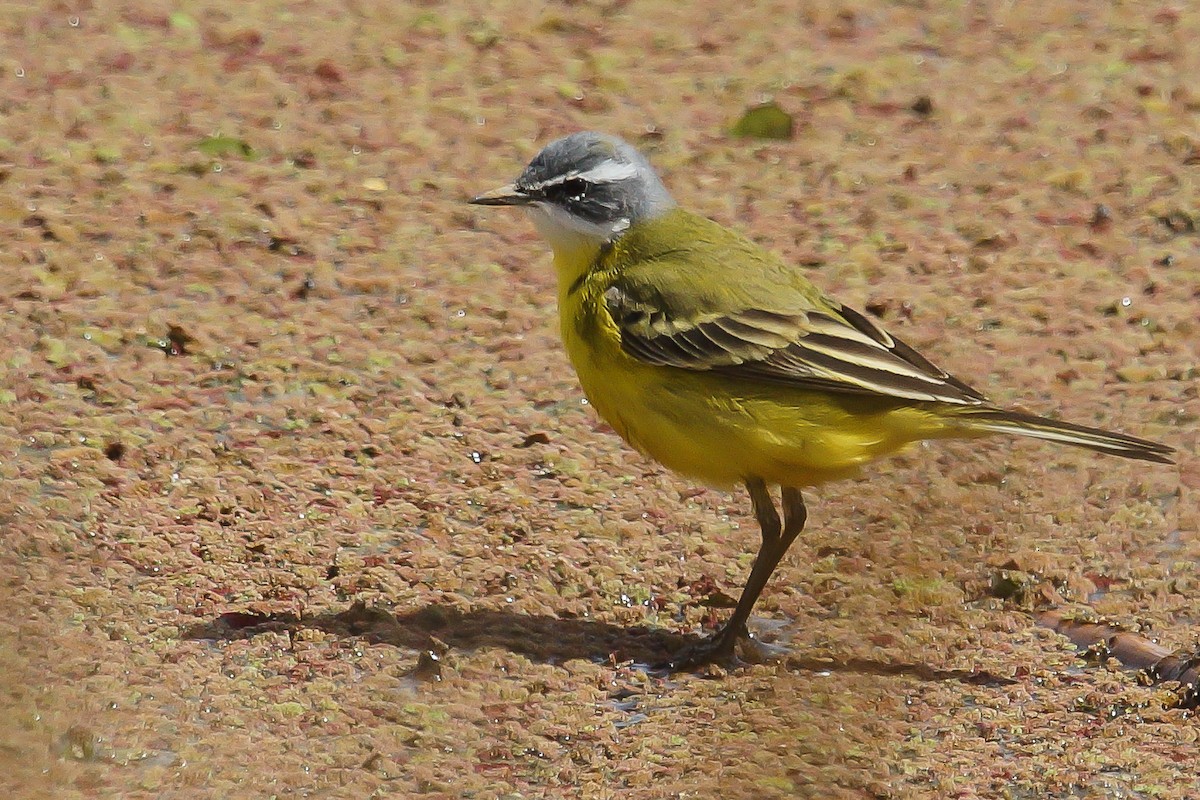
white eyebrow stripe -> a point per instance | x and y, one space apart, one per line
609 171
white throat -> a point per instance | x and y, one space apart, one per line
565 232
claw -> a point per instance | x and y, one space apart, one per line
724 650
715 649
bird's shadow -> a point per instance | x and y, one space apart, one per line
540 638
547 639
435 627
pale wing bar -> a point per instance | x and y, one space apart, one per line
901 350
846 353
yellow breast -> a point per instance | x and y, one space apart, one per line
720 431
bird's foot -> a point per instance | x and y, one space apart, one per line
719 650
726 649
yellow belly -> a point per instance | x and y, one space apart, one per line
722 431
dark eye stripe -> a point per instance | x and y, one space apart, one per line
572 189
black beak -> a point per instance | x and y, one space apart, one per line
508 195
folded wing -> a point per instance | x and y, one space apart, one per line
832 348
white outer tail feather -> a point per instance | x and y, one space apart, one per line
994 420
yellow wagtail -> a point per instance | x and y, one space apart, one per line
717 359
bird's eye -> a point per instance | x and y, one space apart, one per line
572 189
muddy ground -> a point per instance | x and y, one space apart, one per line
300 497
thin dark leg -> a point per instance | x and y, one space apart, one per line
776 538
764 564
795 514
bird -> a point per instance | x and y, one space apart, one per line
725 364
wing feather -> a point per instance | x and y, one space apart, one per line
832 348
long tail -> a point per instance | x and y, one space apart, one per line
998 420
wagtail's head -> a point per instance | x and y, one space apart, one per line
585 188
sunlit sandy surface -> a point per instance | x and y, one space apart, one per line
283 419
